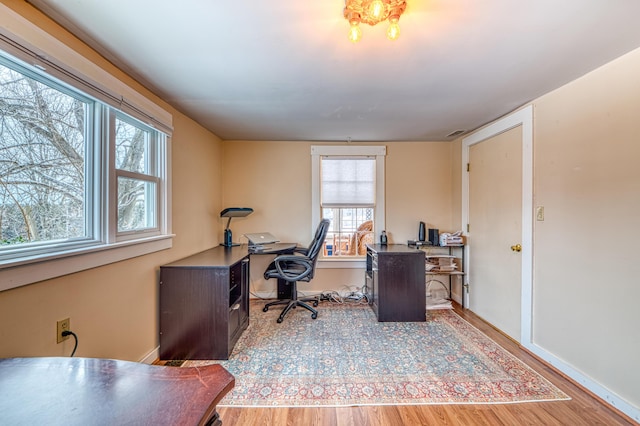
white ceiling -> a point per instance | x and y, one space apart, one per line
284 69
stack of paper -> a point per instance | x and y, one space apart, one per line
448 239
440 263
446 264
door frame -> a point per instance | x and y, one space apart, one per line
524 118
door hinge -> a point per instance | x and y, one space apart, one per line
468 167
468 227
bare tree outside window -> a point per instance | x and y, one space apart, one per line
42 161
131 143
47 144
83 167
136 184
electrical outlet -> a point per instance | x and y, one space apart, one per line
540 213
63 325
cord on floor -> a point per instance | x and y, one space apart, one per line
351 296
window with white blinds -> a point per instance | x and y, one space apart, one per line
348 181
348 189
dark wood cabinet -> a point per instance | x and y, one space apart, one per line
204 304
395 282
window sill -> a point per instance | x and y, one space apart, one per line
19 274
341 263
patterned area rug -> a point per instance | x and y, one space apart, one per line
346 357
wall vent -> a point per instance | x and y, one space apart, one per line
455 133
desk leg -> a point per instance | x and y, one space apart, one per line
284 290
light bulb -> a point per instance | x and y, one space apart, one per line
393 32
376 8
355 33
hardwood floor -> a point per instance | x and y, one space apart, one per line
582 409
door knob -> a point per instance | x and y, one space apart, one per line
517 248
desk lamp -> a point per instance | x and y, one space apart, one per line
232 212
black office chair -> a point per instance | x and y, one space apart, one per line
298 267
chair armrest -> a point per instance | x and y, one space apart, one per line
301 250
284 262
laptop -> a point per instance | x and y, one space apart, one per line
260 238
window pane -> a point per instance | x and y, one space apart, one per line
42 161
136 204
132 146
350 230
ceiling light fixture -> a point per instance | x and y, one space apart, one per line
373 12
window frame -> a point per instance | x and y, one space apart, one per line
319 151
155 157
32 48
43 248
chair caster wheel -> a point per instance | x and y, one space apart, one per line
265 309
279 320
315 304
314 316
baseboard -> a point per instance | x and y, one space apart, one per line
151 357
594 387
263 295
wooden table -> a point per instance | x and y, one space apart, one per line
90 391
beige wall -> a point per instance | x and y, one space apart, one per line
114 309
586 268
274 178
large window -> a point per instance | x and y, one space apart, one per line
44 172
348 189
348 199
76 174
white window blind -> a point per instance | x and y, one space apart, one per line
348 182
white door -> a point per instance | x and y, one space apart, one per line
495 230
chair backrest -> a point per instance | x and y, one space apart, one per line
318 240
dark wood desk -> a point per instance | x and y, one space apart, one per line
394 281
89 391
276 248
204 304
204 301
